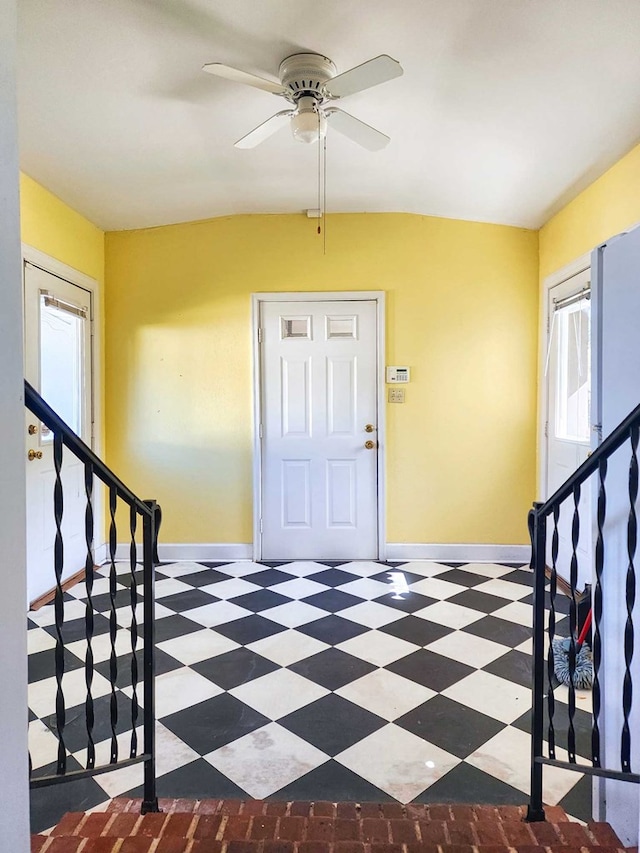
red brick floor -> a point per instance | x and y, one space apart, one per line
251 826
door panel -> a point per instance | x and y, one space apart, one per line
319 391
58 365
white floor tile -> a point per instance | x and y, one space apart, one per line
243 568
231 588
496 697
521 614
217 613
299 588
123 614
278 693
266 760
101 646
196 647
449 614
185 567
363 568
463 647
302 568
372 614
414 766
426 568
488 570
294 613
42 694
39 640
170 586
43 744
436 588
45 616
377 648
287 647
386 694
180 689
504 589
507 757
367 588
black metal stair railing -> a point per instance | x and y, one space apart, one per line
555 718
64 439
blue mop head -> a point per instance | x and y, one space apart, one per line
583 675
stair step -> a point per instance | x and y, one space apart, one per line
250 826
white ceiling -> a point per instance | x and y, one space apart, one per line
507 108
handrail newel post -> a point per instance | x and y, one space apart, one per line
538 530
150 799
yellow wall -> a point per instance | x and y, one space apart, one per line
51 226
608 206
461 311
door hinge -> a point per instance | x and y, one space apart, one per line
546 429
260 430
260 525
259 335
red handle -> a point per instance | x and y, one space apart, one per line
585 629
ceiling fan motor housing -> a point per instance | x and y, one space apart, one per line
305 75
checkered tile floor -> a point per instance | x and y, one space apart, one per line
308 680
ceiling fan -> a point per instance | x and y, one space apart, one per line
310 83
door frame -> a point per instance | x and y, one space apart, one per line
51 265
377 296
580 264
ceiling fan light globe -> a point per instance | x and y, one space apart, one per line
308 126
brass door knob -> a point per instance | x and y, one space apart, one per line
34 454
369 428
33 429
369 444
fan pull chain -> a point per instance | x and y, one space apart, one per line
324 197
319 179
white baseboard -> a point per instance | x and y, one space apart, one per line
100 554
196 551
458 553
402 551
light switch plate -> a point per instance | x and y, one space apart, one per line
396 395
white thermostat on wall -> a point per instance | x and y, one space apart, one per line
398 374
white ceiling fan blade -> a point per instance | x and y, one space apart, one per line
265 130
238 76
364 76
357 130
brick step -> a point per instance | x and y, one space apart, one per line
227 826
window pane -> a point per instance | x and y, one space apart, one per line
61 364
574 372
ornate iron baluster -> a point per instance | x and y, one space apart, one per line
88 573
597 613
553 590
573 622
630 589
58 562
150 799
113 625
538 531
133 520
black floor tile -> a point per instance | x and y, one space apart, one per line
522 576
561 605
582 722
514 666
187 600
43 664
76 629
332 629
273 564
50 803
332 668
270 577
333 577
333 777
214 564
170 627
75 728
462 578
203 578
579 801
430 670
234 668
332 724
421 632
214 723
410 577
332 563
102 603
499 630
260 599
125 579
467 784
450 725
249 629
195 781
409 602
164 663
477 600
332 600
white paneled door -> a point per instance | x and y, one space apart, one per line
58 365
319 430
